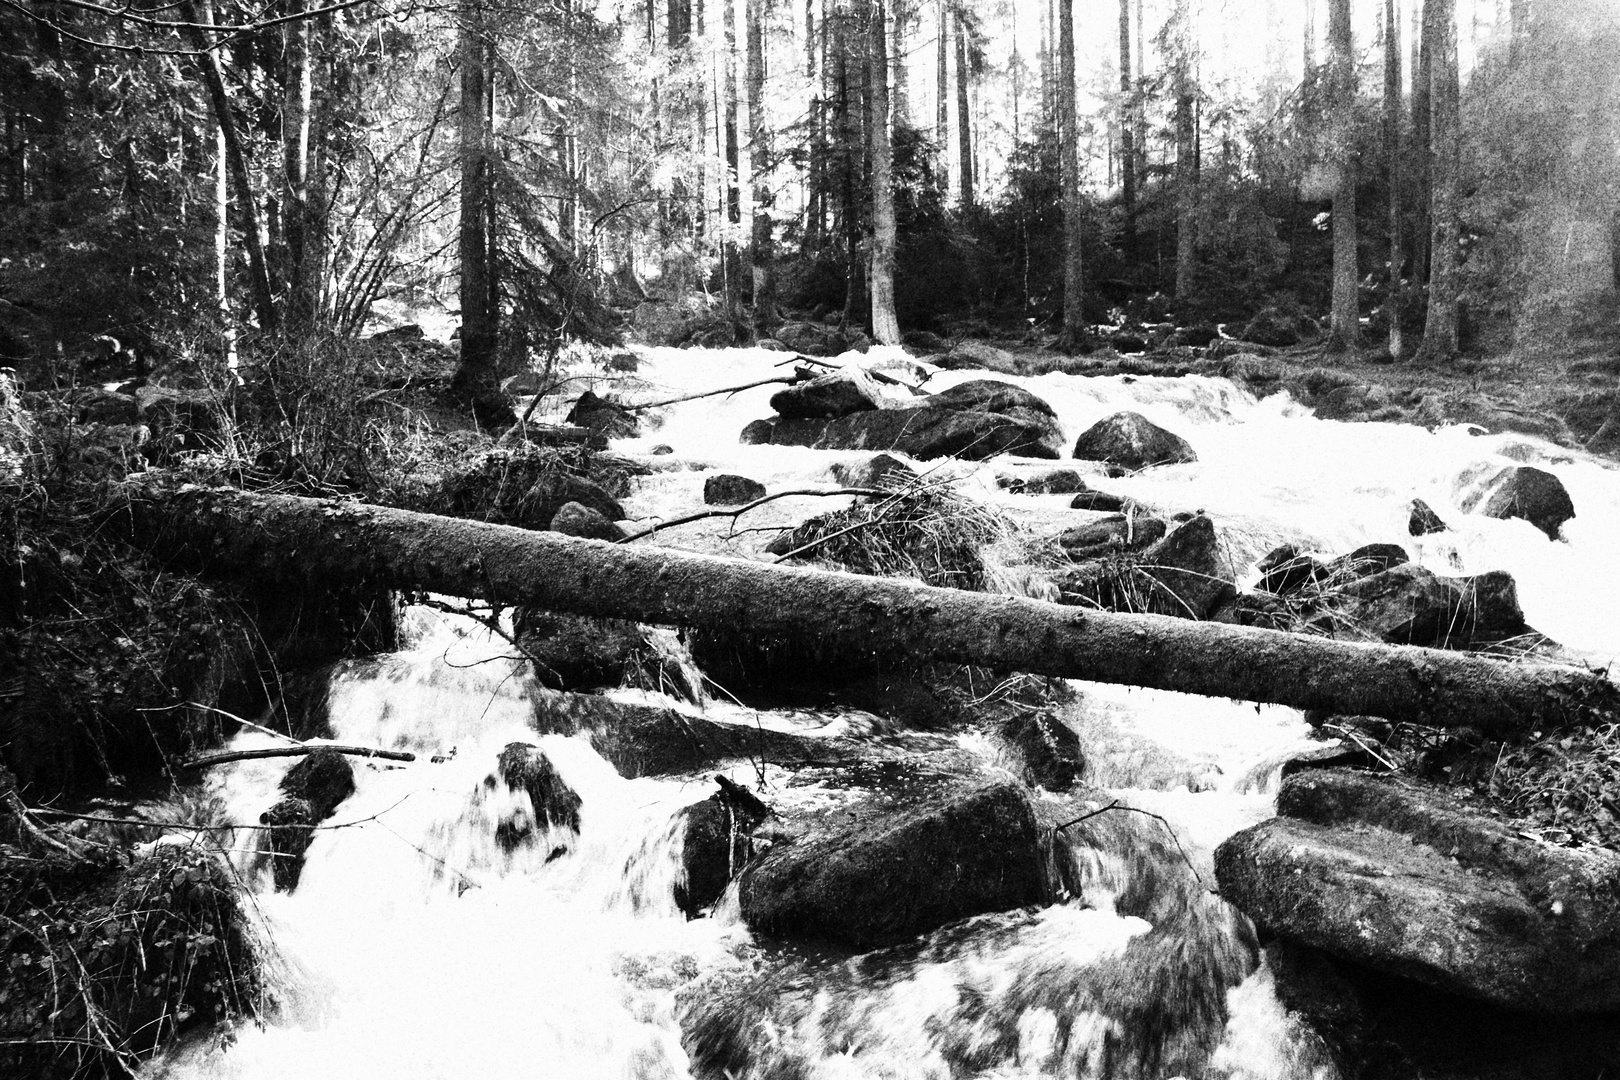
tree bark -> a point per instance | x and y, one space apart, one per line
1074 282
1127 127
264 304
301 283
762 250
1186 153
964 114
1440 326
309 543
1392 153
733 256
1345 325
479 316
942 109
1422 66
885 326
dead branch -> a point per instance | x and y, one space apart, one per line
294 751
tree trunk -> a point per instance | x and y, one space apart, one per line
885 327
1345 324
301 284
309 543
1310 37
264 304
1186 151
1392 152
479 317
762 251
733 255
942 110
964 114
222 251
1074 318
1440 327
1127 127
1422 143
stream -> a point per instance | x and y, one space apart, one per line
416 946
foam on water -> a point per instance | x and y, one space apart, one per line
415 946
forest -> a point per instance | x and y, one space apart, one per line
703 539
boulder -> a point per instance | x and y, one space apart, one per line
552 491
1126 342
1047 752
877 471
990 395
1367 559
659 322
574 652
1097 501
1196 336
661 450
1408 605
1183 575
925 433
1054 482
837 393
875 876
604 416
312 790
577 519
965 355
728 489
1110 534
1132 441
1284 569
757 433
1532 494
1384 874
716 844
812 339
1423 521
553 805
1271 326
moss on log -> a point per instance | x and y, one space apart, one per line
313 542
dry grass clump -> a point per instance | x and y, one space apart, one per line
928 533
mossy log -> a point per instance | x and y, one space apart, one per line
313 542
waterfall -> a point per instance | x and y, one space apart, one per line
419 945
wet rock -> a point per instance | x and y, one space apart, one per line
1255 609
989 395
757 433
1111 534
837 393
728 489
1126 342
1423 521
1183 575
1055 482
553 805
604 415
876 877
1285 569
1132 441
717 844
925 433
1408 605
1531 494
578 652
877 471
1384 874
312 790
901 699
1100 501
552 491
1368 559
662 449
577 519
1047 751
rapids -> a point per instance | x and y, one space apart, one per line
416 947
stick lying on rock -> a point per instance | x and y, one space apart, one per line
284 537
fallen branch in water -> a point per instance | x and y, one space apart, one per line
1117 805
737 511
294 751
796 377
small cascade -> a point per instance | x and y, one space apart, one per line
451 921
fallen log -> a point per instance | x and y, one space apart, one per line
315 542
294 751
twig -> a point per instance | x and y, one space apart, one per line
1117 805
221 827
714 393
294 751
226 715
737 512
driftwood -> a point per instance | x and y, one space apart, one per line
294 751
228 532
